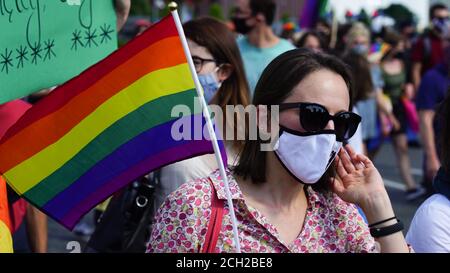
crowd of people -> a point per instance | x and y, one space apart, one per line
341 93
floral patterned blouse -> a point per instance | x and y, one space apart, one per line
330 225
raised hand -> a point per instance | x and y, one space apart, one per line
357 178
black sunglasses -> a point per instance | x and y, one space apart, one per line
315 117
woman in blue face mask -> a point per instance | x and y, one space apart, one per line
210 72
220 71
299 196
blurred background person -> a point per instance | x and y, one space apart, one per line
430 227
432 90
220 70
28 224
377 111
394 75
428 50
259 45
324 28
312 40
6 245
364 96
141 25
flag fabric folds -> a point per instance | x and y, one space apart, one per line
104 128
311 11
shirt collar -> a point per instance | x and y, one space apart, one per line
219 185
315 198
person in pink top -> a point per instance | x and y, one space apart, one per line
299 197
20 210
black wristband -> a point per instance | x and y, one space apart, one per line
385 231
382 222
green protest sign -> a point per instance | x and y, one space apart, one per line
44 43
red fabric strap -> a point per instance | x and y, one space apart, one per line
215 222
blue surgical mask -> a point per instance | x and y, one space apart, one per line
210 85
442 25
360 49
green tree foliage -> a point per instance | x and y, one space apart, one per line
399 13
364 18
141 7
215 10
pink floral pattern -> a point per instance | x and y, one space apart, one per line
331 225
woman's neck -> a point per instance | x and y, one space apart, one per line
280 190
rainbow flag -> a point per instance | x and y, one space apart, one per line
377 51
311 11
105 128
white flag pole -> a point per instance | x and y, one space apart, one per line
206 114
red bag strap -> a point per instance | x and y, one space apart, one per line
215 222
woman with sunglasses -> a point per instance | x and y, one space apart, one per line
289 199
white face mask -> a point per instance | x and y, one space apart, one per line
306 156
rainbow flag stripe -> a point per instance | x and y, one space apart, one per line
104 128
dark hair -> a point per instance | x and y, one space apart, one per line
266 7
392 37
434 8
324 22
360 68
274 86
445 136
316 34
221 43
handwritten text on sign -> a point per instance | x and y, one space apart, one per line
44 43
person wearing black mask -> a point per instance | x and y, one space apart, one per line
259 45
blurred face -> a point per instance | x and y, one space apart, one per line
243 20
323 28
400 46
313 43
360 45
441 14
243 8
322 87
360 41
210 73
408 31
441 22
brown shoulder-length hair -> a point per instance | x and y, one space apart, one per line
275 85
360 68
445 135
221 43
